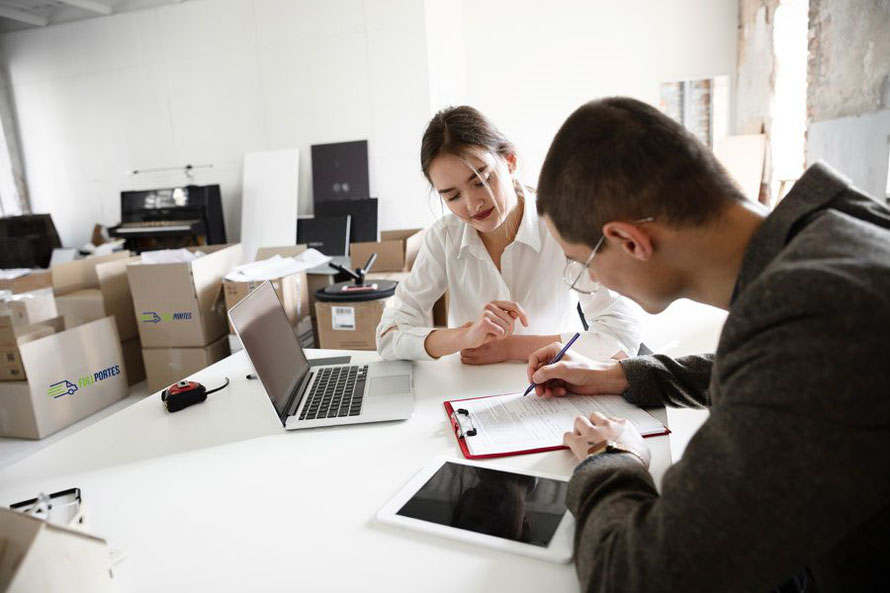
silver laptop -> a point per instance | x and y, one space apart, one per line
327 395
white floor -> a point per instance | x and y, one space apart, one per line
684 328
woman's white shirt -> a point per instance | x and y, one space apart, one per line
453 258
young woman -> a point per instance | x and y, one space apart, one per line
507 279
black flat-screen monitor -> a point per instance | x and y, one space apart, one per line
340 171
363 226
328 234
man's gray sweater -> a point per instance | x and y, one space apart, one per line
790 474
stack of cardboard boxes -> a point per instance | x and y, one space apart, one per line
292 291
52 376
94 288
181 313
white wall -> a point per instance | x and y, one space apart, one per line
857 146
530 63
208 80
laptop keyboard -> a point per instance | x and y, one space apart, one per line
337 392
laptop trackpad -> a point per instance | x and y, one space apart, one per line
387 385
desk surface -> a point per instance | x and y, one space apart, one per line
219 497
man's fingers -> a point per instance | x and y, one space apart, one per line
556 370
598 419
570 439
582 424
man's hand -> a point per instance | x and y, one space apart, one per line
599 428
573 374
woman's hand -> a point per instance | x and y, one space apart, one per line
494 323
573 374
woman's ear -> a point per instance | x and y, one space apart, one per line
630 239
511 162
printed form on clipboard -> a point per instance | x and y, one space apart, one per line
510 424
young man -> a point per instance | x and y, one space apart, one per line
786 487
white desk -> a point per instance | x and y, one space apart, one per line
273 510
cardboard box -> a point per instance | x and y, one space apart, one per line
117 296
292 290
35 280
29 307
36 555
70 375
93 288
81 273
165 366
314 282
182 305
349 325
12 336
81 306
132 351
396 250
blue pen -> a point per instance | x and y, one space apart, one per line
555 359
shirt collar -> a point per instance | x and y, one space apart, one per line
528 233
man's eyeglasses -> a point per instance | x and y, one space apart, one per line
576 274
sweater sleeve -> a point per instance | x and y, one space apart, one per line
658 380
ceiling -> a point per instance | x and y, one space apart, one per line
17 15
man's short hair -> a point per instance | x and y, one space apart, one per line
621 159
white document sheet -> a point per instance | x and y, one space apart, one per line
510 423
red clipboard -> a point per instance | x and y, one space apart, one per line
462 440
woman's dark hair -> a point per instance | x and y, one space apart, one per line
456 130
621 159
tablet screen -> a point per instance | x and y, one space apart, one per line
512 506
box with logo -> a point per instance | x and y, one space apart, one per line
93 288
349 325
12 336
32 280
28 307
182 304
292 289
165 366
396 250
70 375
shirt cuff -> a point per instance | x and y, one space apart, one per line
595 345
410 343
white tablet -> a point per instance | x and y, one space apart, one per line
524 513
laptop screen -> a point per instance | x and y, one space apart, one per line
271 344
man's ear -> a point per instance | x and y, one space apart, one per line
630 238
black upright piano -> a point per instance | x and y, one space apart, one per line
173 217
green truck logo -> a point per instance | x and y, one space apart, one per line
155 317
57 390
65 387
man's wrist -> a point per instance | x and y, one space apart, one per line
613 447
618 383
